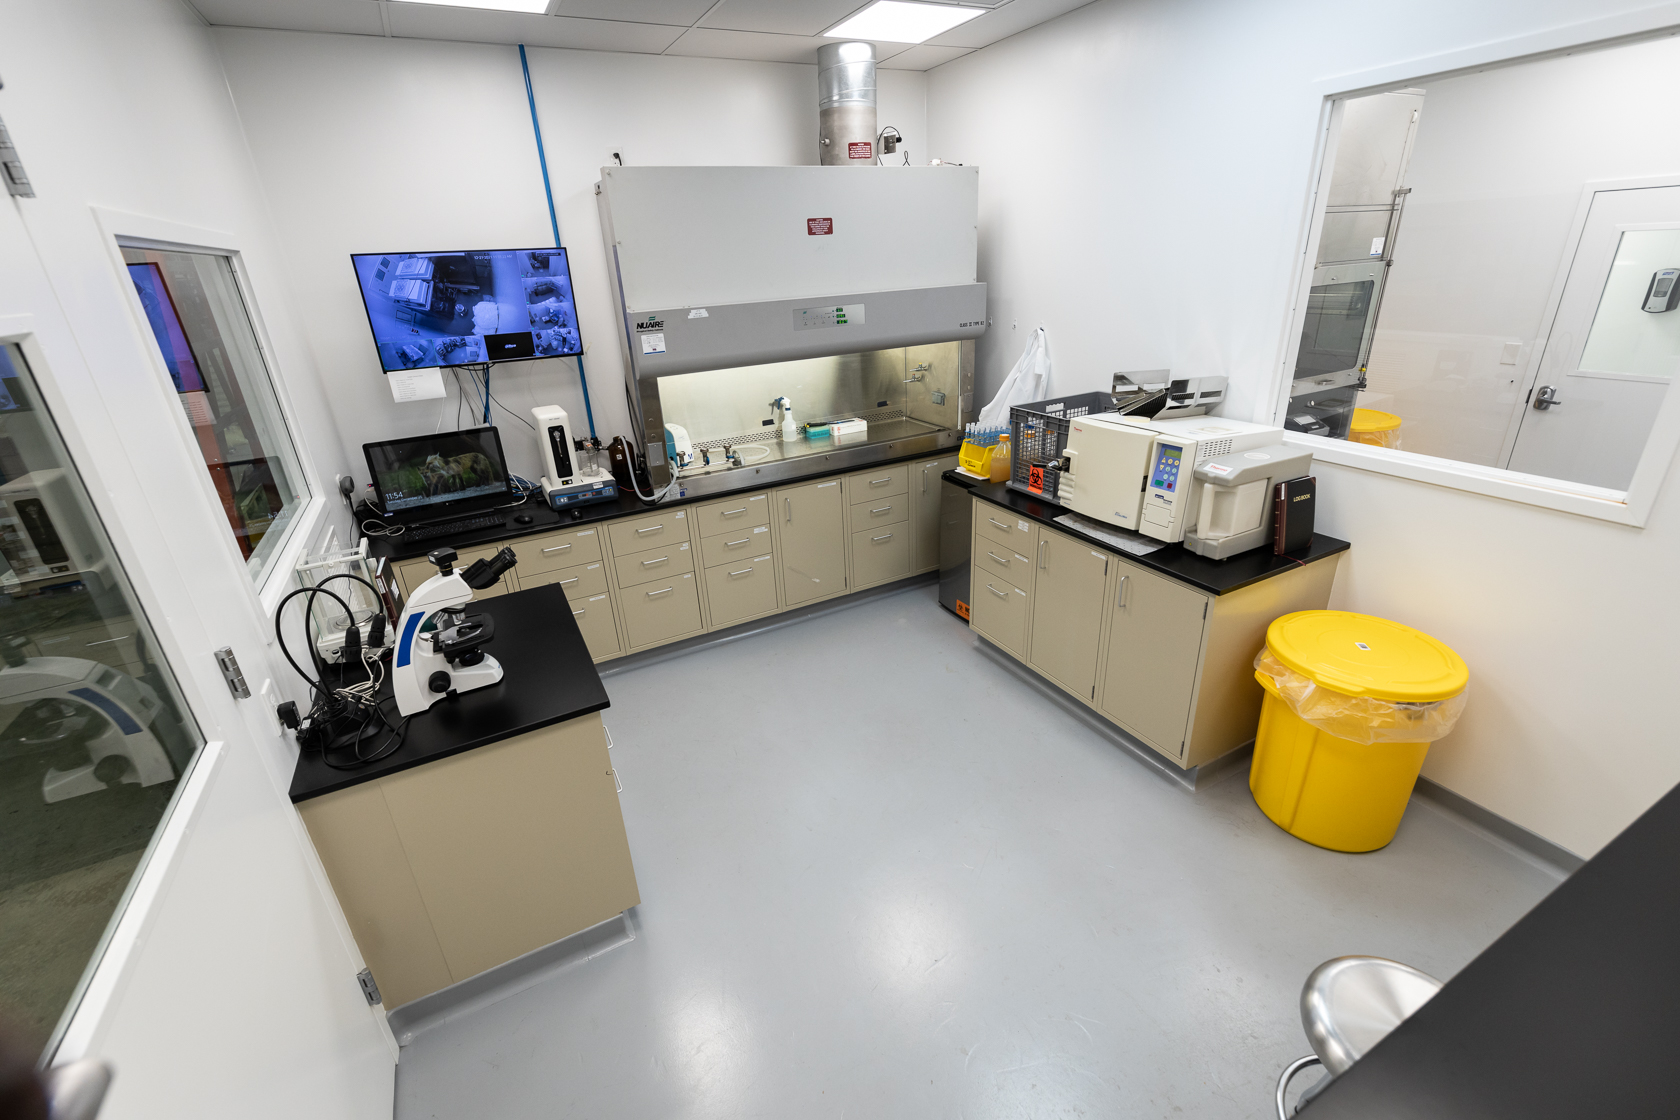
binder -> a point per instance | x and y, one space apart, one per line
1292 514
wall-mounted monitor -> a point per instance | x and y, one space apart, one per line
456 309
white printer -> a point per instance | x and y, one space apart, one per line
1137 473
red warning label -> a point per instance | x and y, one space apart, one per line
860 149
817 227
1035 479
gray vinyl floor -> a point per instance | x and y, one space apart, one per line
881 877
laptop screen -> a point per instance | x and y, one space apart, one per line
434 476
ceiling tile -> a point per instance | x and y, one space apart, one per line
680 13
711 42
468 25
923 57
807 17
351 17
1004 22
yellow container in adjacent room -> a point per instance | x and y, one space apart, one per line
1352 703
1379 429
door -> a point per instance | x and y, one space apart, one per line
1067 611
1613 346
813 530
1153 647
926 490
224 981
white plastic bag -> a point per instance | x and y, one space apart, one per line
1029 381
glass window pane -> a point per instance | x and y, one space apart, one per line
1631 332
193 304
94 734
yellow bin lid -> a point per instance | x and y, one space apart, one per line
1358 655
1374 420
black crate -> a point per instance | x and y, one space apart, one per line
1038 435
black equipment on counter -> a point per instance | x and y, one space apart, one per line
1292 514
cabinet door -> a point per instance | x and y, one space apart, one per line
1068 588
925 493
1153 648
812 521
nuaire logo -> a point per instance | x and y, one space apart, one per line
651 324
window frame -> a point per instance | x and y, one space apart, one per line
118 229
1630 507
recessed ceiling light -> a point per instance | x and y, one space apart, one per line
900 21
534 7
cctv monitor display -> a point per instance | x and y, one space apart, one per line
454 309
435 476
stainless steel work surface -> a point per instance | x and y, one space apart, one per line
951 899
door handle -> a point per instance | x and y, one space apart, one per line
564 582
650 529
996 522
1120 601
578 612
733 512
883 509
998 558
880 481
650 563
558 548
788 502
661 591
1041 545
995 591
1545 397
742 572
884 537
737 544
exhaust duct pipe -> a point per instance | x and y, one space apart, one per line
846 100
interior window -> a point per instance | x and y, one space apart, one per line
193 304
1497 269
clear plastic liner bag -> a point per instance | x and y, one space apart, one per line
1359 719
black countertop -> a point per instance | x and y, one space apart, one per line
544 519
547 678
1217 577
1572 1013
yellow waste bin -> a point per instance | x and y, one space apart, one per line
1377 428
1352 704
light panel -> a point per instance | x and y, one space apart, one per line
531 7
902 21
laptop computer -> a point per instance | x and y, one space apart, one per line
440 478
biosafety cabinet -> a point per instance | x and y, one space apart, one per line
749 295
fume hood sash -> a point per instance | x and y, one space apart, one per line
666 341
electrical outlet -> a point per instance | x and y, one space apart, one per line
271 700
615 156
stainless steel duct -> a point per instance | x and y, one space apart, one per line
846 92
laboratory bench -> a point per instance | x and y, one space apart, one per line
494 829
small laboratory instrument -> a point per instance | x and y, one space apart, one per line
1663 292
57 698
572 471
1234 510
679 449
439 481
1135 473
464 308
440 648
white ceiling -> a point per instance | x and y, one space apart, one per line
763 30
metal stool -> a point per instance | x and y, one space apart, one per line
1348 1005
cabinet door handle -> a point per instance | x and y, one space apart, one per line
733 512
883 537
998 558
924 480
880 481
737 544
564 582
650 529
578 612
742 572
788 502
558 548
650 563
1041 564
883 509
998 523
661 591
995 591
1121 600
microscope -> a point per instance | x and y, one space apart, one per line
440 647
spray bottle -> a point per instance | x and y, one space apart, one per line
790 430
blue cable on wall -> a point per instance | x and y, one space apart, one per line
554 222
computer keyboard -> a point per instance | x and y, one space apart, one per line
450 528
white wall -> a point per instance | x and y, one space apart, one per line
1497 171
368 144
1156 218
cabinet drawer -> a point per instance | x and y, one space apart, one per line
1003 562
880 555
594 618
1004 527
655 563
732 546
883 483
553 551
741 590
662 610
578 583
880 511
998 609
732 515
634 534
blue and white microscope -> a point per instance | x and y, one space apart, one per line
440 647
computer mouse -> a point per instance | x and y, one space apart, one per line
522 519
